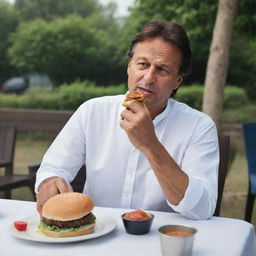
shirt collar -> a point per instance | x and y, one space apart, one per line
163 114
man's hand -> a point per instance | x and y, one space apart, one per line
136 121
49 188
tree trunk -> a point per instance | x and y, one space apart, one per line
218 61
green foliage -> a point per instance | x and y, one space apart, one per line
245 113
66 97
70 48
8 23
65 49
51 9
243 74
234 97
246 19
41 100
74 95
70 97
193 96
9 101
90 44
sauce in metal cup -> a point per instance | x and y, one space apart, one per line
176 240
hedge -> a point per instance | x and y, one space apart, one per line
193 96
66 97
69 97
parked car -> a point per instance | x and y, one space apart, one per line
19 85
15 85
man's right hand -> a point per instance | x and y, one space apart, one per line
49 188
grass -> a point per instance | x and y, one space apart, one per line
31 148
235 190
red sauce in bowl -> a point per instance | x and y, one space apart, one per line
137 215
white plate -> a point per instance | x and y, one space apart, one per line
104 225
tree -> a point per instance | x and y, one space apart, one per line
66 49
219 60
243 49
8 23
49 9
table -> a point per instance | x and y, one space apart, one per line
216 236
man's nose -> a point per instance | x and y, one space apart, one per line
150 76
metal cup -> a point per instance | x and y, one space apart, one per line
174 245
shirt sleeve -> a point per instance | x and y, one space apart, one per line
67 153
200 162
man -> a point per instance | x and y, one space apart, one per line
160 157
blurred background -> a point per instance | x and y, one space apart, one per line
54 55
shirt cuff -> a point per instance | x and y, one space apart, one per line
40 178
191 198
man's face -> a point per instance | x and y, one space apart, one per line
153 70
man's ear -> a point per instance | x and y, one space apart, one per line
179 81
128 68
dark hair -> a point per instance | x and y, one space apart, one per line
169 32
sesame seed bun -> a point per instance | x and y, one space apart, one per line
67 206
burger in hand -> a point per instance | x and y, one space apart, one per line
67 215
134 96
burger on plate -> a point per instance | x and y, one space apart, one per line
67 215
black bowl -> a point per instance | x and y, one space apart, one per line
137 227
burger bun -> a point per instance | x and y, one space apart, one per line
67 206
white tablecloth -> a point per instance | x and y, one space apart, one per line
217 236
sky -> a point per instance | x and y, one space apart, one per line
123 5
122 9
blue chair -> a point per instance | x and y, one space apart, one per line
249 130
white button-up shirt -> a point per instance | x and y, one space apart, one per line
119 175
